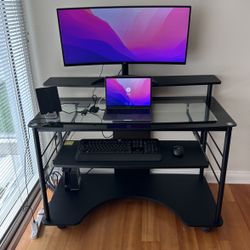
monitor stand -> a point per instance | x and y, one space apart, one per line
125 69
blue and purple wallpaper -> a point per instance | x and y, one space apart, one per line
128 91
139 34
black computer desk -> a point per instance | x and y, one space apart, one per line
188 195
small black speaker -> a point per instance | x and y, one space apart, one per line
48 100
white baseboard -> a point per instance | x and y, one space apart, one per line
233 176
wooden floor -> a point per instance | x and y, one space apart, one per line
143 225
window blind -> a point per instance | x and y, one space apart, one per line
17 158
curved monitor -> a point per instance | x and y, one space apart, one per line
110 35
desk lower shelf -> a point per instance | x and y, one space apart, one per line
193 157
188 196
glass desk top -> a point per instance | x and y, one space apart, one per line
161 112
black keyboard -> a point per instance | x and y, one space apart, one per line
118 150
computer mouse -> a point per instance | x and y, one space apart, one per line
178 150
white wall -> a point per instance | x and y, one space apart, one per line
219 44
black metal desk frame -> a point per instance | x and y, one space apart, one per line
202 131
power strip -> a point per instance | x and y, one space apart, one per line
36 225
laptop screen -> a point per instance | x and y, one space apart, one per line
128 92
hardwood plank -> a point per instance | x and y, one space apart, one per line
150 225
207 240
242 197
115 226
91 232
131 238
150 246
168 228
186 237
57 239
225 245
235 229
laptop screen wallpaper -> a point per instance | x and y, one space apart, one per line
128 92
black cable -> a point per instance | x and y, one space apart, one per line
70 103
50 182
94 99
94 108
72 133
87 172
69 112
57 172
50 186
101 71
119 72
55 175
101 118
106 137
100 74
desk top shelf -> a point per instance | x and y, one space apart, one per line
168 114
157 81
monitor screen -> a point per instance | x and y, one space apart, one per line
128 92
109 35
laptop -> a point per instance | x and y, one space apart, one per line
128 99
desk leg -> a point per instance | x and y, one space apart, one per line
204 133
41 174
223 174
204 145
